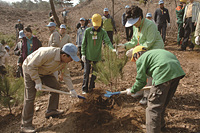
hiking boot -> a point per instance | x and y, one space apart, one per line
53 113
143 101
28 129
137 94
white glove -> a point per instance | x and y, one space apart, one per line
115 51
73 93
121 45
128 91
129 52
38 86
83 58
197 40
168 24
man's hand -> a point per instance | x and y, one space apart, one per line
38 86
168 24
83 58
73 93
129 53
197 40
121 45
128 91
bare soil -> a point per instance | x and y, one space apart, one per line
118 114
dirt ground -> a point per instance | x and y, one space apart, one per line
118 114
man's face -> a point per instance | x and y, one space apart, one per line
149 18
137 24
62 31
65 59
96 27
52 28
28 34
106 12
161 5
82 22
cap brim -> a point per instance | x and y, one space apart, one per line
75 58
131 22
96 24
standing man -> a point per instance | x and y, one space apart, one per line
190 18
64 37
179 18
2 53
38 68
91 50
18 28
64 15
79 38
161 17
108 24
54 39
17 51
166 71
129 30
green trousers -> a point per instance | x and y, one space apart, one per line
180 25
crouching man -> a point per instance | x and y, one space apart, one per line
166 71
38 68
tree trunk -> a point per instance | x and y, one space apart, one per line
113 3
54 13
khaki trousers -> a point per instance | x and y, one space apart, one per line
158 100
30 93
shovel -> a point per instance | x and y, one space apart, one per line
46 88
109 94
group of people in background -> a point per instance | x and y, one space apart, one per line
145 37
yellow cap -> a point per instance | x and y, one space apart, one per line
136 50
183 1
96 20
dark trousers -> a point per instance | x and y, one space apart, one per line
162 29
87 67
30 93
3 70
82 63
158 100
129 33
110 35
19 71
189 28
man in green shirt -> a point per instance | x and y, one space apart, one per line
91 49
166 71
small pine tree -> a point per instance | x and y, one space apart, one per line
110 68
11 91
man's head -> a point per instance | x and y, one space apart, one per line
64 9
149 16
28 32
161 3
127 6
69 53
7 48
137 52
62 29
52 26
106 11
19 21
134 15
96 21
82 21
21 34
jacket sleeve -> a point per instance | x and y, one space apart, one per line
39 43
107 40
113 23
155 16
17 50
67 78
2 51
141 77
84 43
133 41
197 30
123 19
168 18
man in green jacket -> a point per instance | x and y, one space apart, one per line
166 71
91 49
179 15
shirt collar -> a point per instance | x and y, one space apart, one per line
98 30
29 39
57 56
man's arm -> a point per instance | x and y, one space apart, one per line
107 39
155 16
84 43
2 51
67 78
55 40
168 18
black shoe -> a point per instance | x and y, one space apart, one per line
53 113
181 49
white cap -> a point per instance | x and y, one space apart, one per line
131 21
